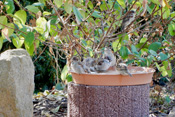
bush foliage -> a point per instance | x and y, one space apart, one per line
84 27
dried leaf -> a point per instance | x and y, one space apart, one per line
51 51
35 48
5 32
158 88
160 30
33 22
165 1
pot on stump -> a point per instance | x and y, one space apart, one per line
110 95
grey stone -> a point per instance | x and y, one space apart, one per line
16 84
172 113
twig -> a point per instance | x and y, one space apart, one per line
104 36
13 28
145 42
90 14
40 54
62 21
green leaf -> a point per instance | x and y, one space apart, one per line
152 52
165 64
30 49
29 38
103 6
3 20
37 4
58 3
123 52
53 30
142 59
90 52
68 7
143 40
9 4
69 78
163 56
47 29
17 43
158 67
79 17
170 71
155 46
32 8
149 60
55 110
171 29
172 14
122 3
59 86
42 1
167 99
134 49
129 62
166 12
46 13
116 44
41 24
1 42
164 71
117 8
90 5
156 2
64 73
96 14
83 42
21 15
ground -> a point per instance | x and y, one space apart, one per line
54 103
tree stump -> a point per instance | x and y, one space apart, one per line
108 101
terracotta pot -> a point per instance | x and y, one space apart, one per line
140 75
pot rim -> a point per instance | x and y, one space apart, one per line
148 70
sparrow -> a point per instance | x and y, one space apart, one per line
123 69
108 54
102 65
89 61
128 19
77 66
89 64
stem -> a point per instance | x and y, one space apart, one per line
104 36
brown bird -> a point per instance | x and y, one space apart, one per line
122 68
76 65
108 54
102 65
89 64
128 19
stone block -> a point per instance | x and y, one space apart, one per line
16 84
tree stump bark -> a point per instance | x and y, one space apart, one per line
108 101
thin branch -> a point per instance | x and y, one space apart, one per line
62 21
40 54
103 38
13 28
90 14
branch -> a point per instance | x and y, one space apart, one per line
62 21
90 13
40 54
104 36
13 28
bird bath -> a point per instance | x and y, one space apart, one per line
140 75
